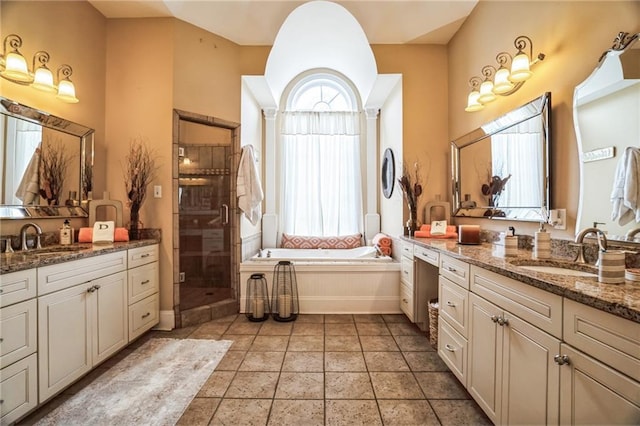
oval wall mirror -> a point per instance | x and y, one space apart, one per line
388 174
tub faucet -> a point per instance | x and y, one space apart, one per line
630 236
602 242
23 235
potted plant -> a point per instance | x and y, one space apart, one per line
139 171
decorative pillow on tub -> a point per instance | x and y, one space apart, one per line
302 242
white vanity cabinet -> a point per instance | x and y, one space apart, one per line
143 285
453 296
18 345
600 367
82 318
513 374
407 281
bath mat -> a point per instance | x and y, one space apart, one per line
151 386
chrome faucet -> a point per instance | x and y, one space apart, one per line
630 236
23 235
602 242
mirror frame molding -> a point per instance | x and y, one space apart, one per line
86 139
540 106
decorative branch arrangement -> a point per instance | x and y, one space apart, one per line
139 171
411 191
53 170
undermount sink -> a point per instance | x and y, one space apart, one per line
557 267
47 251
558 270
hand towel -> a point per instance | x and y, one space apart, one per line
249 188
29 186
425 232
382 240
85 235
625 195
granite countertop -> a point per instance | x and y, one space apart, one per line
51 255
622 300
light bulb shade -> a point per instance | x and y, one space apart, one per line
43 80
501 82
16 68
486 92
520 68
67 92
472 102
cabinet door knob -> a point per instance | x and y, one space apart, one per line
562 359
146 315
449 348
145 282
503 321
97 286
405 301
91 289
451 304
494 318
145 255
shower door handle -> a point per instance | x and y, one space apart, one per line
224 212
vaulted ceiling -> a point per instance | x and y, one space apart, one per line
256 22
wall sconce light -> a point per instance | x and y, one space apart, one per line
505 80
13 67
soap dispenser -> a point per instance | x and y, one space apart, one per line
511 243
542 243
66 233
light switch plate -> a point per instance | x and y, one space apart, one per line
558 219
157 191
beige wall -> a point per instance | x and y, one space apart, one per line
572 35
424 96
139 102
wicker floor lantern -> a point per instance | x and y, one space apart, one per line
257 307
284 294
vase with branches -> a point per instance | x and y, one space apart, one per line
139 171
411 189
53 171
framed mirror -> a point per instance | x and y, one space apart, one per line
501 169
46 164
388 173
606 107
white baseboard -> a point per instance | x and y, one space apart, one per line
167 321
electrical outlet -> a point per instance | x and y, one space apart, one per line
182 277
558 219
157 191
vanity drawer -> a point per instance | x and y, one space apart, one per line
143 315
536 306
454 305
19 389
429 256
143 282
407 271
65 275
455 270
142 255
17 286
407 249
406 301
18 331
453 349
613 340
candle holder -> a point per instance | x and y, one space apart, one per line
257 307
284 295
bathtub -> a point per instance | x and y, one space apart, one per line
359 254
340 281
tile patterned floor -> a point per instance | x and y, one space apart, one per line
321 370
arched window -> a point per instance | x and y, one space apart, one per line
320 138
